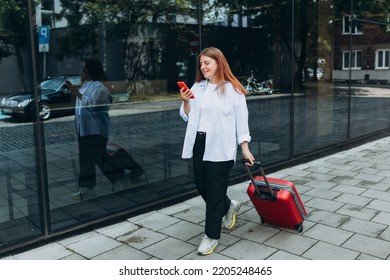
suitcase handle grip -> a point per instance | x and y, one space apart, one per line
258 163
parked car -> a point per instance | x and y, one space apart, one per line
55 99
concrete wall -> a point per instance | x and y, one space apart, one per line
9 77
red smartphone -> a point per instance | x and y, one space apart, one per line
183 85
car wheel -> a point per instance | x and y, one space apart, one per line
44 111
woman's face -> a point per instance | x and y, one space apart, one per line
209 67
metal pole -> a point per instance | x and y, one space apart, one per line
38 133
350 73
200 22
292 126
44 66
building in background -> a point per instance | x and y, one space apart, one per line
368 61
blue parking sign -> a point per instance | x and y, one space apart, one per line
43 39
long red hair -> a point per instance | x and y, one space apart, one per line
223 74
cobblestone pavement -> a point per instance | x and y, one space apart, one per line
346 195
17 134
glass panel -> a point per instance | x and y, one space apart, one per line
325 117
346 24
357 26
143 64
256 40
20 204
321 109
358 59
142 58
346 60
307 91
380 59
47 5
370 97
353 59
336 78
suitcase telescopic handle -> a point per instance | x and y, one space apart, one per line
258 164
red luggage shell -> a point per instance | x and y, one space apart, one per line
282 208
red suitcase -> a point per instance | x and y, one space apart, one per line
116 160
276 201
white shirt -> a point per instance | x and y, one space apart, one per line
91 114
227 117
205 106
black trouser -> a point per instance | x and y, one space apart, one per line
91 151
212 180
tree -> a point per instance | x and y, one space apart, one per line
14 16
119 17
140 24
314 24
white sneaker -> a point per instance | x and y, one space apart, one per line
229 220
207 246
84 193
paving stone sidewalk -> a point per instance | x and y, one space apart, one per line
346 195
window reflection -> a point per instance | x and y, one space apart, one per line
317 71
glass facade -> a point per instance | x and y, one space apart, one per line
317 75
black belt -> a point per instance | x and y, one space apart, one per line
202 133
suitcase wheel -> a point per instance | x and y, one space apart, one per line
299 228
262 220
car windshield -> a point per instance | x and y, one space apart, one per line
51 84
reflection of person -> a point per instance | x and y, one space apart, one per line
217 122
92 123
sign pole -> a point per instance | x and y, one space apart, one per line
44 65
44 37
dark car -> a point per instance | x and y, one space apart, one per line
54 99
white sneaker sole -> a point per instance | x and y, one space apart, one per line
234 217
208 252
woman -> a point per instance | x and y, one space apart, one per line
217 117
92 123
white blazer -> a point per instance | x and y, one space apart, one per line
228 115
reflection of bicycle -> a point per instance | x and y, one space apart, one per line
253 87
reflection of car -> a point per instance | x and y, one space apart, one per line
55 99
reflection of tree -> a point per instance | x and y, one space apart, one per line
313 26
121 19
375 9
14 36
137 23
143 57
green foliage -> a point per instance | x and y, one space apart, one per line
360 8
118 16
14 19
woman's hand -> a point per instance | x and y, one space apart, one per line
73 90
247 153
185 95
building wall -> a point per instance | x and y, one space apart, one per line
374 36
10 82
